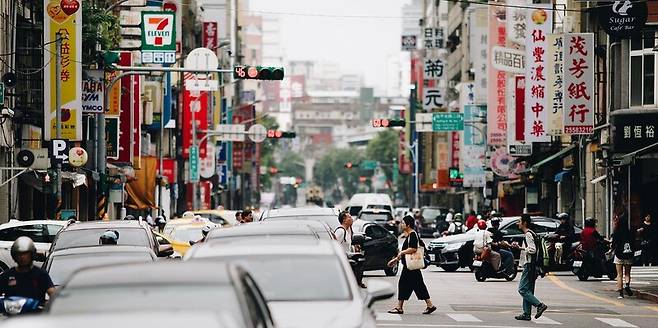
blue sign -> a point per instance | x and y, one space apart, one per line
222 148
222 173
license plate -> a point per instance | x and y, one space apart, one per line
638 253
477 264
577 264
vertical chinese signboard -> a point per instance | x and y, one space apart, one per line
539 26
478 51
473 148
555 83
433 38
209 39
496 112
516 21
65 18
579 83
197 102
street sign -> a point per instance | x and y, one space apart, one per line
368 165
194 163
201 85
443 122
423 122
202 59
2 93
257 133
231 132
222 173
59 152
520 149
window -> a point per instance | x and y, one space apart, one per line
376 232
540 226
643 70
52 230
8 234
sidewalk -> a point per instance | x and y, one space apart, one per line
644 282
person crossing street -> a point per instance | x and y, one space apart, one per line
529 276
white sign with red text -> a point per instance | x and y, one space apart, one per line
579 83
539 26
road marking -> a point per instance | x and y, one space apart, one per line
546 321
383 316
463 317
653 308
616 322
564 286
446 326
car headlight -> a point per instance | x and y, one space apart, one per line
14 307
433 225
453 247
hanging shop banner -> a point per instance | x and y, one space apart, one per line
623 19
516 145
209 38
478 51
197 102
112 135
540 25
433 68
473 147
555 83
433 38
131 108
579 83
92 92
63 19
114 105
508 60
433 98
516 21
496 111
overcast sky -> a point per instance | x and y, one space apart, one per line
359 45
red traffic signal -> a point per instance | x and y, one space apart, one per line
349 165
387 123
274 170
278 134
258 72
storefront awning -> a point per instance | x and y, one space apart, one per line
562 153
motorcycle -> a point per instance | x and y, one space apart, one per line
594 264
483 269
17 305
568 249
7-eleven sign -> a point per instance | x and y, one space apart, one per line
158 31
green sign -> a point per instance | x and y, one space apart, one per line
158 31
368 165
2 93
443 122
194 163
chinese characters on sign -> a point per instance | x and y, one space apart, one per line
555 83
433 38
432 98
496 111
478 51
540 25
634 131
209 39
432 68
508 60
579 83
516 21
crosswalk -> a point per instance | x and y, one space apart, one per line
645 273
467 318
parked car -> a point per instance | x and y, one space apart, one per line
258 231
61 264
381 217
452 252
433 220
171 286
362 201
131 233
306 282
380 247
42 232
325 214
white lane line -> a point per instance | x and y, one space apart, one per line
383 316
463 317
546 321
616 322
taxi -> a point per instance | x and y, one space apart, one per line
223 218
179 233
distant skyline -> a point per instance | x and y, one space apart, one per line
314 30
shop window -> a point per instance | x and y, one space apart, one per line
643 70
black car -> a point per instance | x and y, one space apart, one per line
454 252
379 248
433 219
381 217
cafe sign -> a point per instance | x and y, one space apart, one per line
623 19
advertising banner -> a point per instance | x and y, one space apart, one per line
497 80
579 83
209 38
131 99
555 83
479 50
115 95
64 19
539 26
197 102
92 92
473 148
516 21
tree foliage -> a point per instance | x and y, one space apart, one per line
383 148
98 28
330 172
267 150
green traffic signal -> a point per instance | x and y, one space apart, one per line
258 73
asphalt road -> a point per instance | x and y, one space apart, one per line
463 302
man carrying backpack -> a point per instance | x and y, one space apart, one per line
343 235
528 260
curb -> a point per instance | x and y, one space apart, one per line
646 296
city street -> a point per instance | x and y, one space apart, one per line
463 302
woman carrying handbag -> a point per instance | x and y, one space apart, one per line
411 278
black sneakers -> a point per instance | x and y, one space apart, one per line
523 317
540 310
628 290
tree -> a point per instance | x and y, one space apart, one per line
330 172
383 148
99 27
267 150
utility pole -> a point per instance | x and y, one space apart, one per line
58 116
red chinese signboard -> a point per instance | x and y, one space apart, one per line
520 108
455 149
496 112
196 101
579 83
125 146
209 38
169 170
539 23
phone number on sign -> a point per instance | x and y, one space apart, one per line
579 129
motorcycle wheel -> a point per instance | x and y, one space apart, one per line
511 276
450 267
582 275
390 272
479 276
612 274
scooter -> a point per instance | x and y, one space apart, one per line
16 305
483 269
593 264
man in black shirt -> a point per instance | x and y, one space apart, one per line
499 245
26 280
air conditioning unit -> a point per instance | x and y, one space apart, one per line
36 159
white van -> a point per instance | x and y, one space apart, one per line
369 200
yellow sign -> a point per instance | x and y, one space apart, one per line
63 19
114 96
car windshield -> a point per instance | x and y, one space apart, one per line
374 217
331 220
274 276
144 298
430 214
62 267
90 237
187 233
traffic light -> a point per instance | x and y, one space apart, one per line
349 165
258 73
278 134
387 123
274 170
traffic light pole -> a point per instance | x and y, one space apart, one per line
58 116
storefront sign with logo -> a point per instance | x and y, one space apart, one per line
158 37
92 92
623 19
579 83
634 130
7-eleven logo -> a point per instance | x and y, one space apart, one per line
158 30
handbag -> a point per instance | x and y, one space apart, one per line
416 260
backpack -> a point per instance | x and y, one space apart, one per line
345 235
459 228
540 260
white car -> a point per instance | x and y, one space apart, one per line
42 232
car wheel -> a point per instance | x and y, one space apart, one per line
479 276
582 276
392 271
450 267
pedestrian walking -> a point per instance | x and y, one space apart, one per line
648 233
527 260
344 235
410 280
622 245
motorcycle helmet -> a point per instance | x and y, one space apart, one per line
482 225
495 220
129 217
590 222
23 245
562 216
109 237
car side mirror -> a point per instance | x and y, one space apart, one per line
165 251
39 257
378 290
